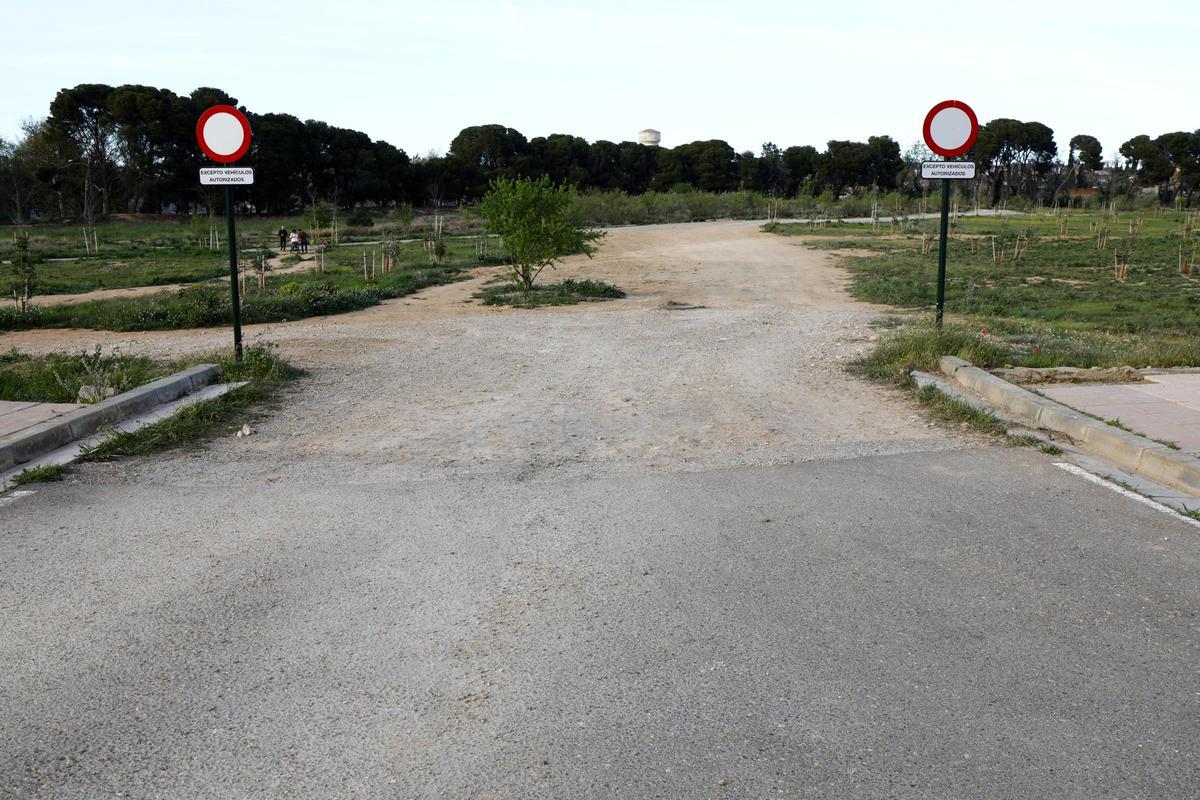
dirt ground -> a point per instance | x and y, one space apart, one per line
435 384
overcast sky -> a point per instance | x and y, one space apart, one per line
414 74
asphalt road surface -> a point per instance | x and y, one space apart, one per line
605 552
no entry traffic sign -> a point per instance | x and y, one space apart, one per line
223 133
951 128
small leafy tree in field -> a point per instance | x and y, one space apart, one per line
533 218
404 215
23 273
320 216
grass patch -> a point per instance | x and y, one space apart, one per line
42 474
921 346
267 373
1059 304
568 292
1007 343
339 289
1051 449
952 410
1066 283
147 265
57 378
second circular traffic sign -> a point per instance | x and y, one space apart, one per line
223 133
951 128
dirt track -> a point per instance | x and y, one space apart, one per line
435 384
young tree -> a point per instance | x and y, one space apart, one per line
534 220
23 273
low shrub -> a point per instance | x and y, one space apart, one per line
568 292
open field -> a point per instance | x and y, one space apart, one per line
1061 301
122 233
140 251
1064 223
155 250
338 288
135 266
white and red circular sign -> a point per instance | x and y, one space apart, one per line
951 128
223 133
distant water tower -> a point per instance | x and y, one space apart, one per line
649 137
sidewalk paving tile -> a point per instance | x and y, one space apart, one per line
15 417
1168 409
9 406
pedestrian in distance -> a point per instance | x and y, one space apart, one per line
283 236
303 241
295 242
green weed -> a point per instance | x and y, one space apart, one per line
57 377
952 410
267 373
41 474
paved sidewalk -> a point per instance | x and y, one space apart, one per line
17 416
1165 407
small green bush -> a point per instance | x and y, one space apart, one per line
568 292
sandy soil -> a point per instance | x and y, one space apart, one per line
435 384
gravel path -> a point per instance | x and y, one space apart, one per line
437 384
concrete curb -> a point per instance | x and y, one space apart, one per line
1136 453
52 434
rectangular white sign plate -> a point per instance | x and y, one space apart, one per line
226 176
954 170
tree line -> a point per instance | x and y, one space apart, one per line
104 149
